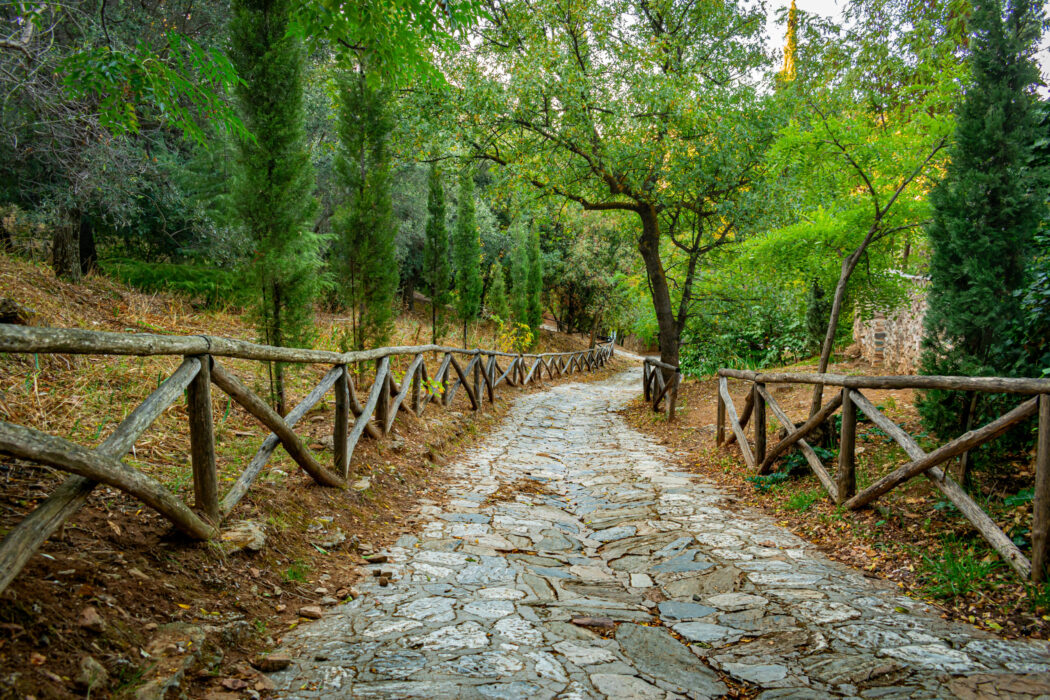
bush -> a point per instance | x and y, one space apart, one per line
213 287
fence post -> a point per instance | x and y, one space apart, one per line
342 423
202 443
477 378
847 476
758 418
417 379
1041 504
645 380
720 425
383 405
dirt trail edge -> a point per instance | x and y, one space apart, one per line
674 591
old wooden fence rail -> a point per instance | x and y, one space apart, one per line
479 378
843 486
660 380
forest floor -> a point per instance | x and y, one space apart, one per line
912 536
115 577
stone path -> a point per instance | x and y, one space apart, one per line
483 596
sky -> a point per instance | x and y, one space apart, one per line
833 9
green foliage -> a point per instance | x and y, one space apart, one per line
984 215
768 482
802 501
818 310
364 255
435 253
274 188
467 253
534 305
496 299
956 572
519 274
212 286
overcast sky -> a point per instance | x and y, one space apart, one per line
833 9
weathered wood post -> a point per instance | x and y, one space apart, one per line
490 379
443 379
383 405
1041 504
645 380
342 423
759 419
202 443
417 380
720 425
477 378
847 476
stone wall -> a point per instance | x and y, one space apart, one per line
893 338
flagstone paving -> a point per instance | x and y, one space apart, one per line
483 596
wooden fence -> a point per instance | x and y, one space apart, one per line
843 486
199 370
659 381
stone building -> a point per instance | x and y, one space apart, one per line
892 338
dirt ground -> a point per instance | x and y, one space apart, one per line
116 572
911 536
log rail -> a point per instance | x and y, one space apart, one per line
842 488
200 370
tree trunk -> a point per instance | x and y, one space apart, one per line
65 250
848 265
649 247
86 244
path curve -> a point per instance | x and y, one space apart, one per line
484 594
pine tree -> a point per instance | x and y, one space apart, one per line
498 305
274 188
467 252
534 309
984 214
519 274
365 254
435 253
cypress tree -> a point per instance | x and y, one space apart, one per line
467 251
534 309
519 275
435 252
497 296
984 212
365 260
274 188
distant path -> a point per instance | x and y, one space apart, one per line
484 592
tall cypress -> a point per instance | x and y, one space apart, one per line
519 274
467 251
534 308
365 260
984 212
435 252
274 188
497 295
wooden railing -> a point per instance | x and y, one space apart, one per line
197 373
659 381
843 486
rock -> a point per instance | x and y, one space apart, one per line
331 538
384 581
734 602
725 579
93 676
13 312
708 633
277 661
679 610
584 655
243 535
641 581
604 623
375 558
626 687
656 653
992 686
90 620
329 600
174 650
311 612
362 484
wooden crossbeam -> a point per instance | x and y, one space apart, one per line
268 417
952 491
811 456
406 386
382 370
734 423
796 434
25 538
745 415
